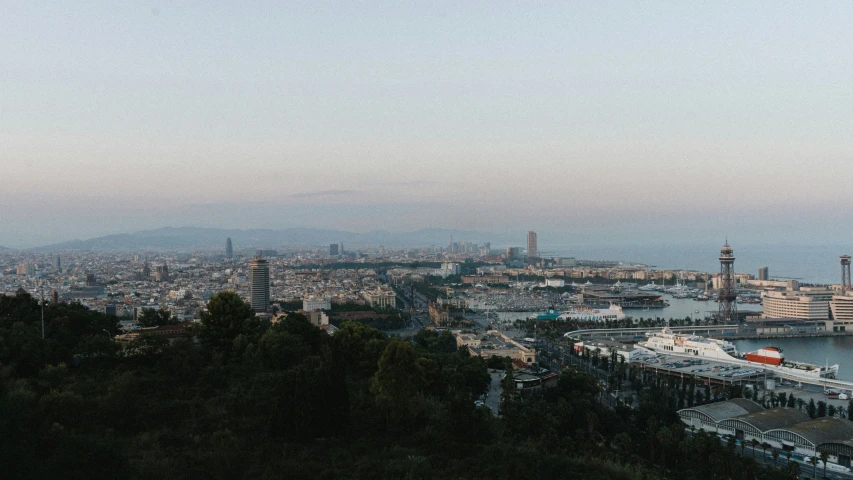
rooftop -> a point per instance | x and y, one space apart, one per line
824 430
735 407
774 418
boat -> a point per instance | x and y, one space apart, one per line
767 356
584 314
666 341
650 287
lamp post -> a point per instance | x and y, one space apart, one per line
42 309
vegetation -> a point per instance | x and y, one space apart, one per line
254 400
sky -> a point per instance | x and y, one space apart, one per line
589 121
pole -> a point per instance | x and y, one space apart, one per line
42 310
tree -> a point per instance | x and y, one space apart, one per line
821 408
775 457
148 317
753 443
227 317
824 457
812 409
395 385
764 447
813 461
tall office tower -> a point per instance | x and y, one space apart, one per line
259 284
91 281
845 274
58 264
763 273
55 297
229 249
146 271
333 249
728 289
532 245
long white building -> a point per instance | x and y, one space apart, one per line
800 304
841 307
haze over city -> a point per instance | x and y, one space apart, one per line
661 122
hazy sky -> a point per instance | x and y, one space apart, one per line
660 121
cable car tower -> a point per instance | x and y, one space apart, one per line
728 288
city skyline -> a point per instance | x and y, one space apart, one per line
654 120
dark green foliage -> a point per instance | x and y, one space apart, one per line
148 317
227 317
292 402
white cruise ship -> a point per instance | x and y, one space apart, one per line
713 349
584 315
668 342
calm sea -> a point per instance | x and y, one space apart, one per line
807 263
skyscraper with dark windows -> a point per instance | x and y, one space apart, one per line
333 249
229 249
532 245
259 284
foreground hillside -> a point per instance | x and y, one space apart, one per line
250 400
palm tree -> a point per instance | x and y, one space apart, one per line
731 442
775 457
753 443
824 457
764 447
813 461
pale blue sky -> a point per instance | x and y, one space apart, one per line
593 120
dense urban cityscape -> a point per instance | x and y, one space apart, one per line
426 240
539 314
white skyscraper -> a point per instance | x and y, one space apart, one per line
259 284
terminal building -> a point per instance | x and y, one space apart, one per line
785 429
841 308
804 304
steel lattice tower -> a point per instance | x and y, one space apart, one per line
728 289
845 274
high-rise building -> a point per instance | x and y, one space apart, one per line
91 281
512 253
763 273
229 249
58 264
259 284
728 288
532 245
333 249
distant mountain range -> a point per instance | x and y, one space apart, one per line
192 238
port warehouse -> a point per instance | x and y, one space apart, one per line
785 429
